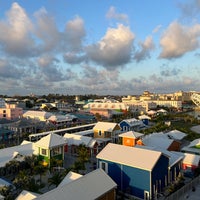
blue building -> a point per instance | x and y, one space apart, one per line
131 125
142 173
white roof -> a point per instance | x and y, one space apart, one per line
194 143
8 154
151 112
106 126
33 113
73 139
51 140
173 156
71 176
131 134
26 195
59 118
132 122
106 106
130 156
176 134
88 187
157 140
144 117
191 159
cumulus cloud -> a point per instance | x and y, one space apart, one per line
46 31
74 34
145 48
178 40
15 36
112 14
114 49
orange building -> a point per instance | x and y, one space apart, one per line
130 138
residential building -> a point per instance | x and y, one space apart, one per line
141 173
107 130
10 111
94 185
131 138
50 147
131 124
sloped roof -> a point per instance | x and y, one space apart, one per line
194 143
73 139
50 141
131 134
26 195
8 154
176 134
34 113
130 156
106 126
71 176
191 159
157 140
173 156
144 117
132 122
90 186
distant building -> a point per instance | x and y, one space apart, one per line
10 111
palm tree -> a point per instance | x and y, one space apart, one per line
22 180
55 179
40 169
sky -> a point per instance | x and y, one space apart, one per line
105 47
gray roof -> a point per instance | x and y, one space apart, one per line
130 156
88 187
50 141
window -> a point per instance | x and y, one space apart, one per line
104 166
4 111
44 151
99 132
4 115
55 151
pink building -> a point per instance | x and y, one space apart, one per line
10 112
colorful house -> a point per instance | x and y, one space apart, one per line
190 162
141 173
131 124
130 138
107 130
50 147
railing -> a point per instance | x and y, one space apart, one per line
184 190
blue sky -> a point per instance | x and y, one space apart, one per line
99 47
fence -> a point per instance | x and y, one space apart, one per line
182 192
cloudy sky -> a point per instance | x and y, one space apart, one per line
99 47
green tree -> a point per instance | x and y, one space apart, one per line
55 179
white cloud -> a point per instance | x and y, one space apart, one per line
114 49
146 47
15 36
178 40
112 14
74 34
